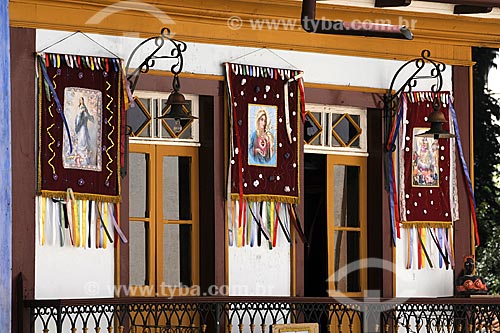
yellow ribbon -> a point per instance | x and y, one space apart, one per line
271 217
424 242
105 221
84 223
72 210
240 227
42 227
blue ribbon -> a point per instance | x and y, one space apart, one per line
461 153
56 99
440 235
472 199
391 173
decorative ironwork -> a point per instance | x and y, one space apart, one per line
257 314
391 98
178 47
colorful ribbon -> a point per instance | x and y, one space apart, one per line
470 190
58 103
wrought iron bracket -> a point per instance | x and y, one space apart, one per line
391 98
175 53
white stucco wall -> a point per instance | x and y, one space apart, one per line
425 282
63 272
69 272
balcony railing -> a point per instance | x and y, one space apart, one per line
258 314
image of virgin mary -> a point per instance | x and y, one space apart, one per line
261 145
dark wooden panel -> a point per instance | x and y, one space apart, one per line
23 160
344 97
124 224
150 82
461 93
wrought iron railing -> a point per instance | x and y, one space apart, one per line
258 314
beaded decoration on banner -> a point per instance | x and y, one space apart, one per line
423 180
81 113
266 107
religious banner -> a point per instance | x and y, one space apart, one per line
80 101
422 180
81 104
265 111
427 184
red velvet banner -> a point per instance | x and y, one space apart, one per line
79 131
427 181
265 137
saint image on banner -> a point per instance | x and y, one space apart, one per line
83 111
262 135
425 160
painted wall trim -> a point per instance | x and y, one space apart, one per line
246 23
318 68
5 174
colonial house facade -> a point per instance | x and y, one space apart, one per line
182 234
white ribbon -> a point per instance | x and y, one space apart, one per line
287 107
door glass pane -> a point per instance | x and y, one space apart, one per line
176 188
138 188
347 251
346 196
177 255
138 253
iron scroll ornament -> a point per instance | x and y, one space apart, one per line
391 99
176 53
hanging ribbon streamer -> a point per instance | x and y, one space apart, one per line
75 220
422 239
394 211
60 109
262 179
470 190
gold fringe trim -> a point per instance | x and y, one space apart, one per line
39 105
81 196
259 198
427 224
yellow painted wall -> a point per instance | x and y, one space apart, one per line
448 37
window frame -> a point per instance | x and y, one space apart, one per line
155 254
361 162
